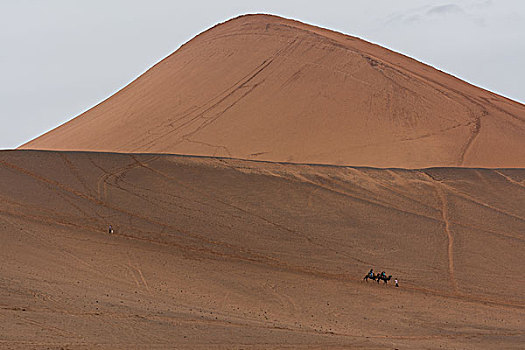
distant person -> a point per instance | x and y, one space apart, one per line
110 229
371 273
383 274
397 285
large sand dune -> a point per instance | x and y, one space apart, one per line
321 155
267 88
228 254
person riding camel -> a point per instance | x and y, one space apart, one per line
371 273
383 274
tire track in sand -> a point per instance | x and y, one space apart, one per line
135 270
509 179
444 215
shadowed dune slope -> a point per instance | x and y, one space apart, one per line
267 88
213 253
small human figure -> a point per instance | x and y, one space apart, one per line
383 274
397 285
371 273
110 229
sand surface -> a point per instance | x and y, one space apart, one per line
267 88
307 157
228 254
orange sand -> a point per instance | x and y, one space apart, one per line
221 253
267 88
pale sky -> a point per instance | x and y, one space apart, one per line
59 58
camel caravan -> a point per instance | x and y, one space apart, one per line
379 277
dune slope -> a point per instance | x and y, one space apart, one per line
219 254
267 88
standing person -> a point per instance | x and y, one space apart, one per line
397 285
110 229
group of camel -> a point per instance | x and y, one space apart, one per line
377 277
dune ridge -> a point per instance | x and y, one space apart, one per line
274 89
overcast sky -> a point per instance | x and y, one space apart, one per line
58 58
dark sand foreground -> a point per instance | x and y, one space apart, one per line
227 254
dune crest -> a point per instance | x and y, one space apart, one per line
268 88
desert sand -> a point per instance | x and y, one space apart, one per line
268 88
251 179
211 253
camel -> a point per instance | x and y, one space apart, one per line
373 277
384 279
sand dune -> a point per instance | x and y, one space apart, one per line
227 254
267 88
305 158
